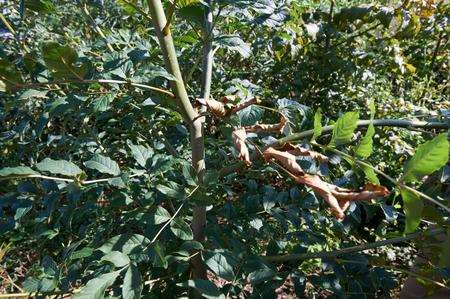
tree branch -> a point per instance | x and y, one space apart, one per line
364 123
336 253
46 177
207 53
99 81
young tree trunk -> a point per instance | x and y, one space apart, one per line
191 117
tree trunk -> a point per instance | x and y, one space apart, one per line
191 117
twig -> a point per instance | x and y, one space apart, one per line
7 24
335 253
97 28
82 182
99 81
171 218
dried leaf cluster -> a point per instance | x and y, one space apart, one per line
339 199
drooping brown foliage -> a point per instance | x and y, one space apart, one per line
286 159
268 128
224 108
239 136
297 150
215 107
337 198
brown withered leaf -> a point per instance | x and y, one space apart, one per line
224 108
337 198
268 128
324 190
369 192
284 158
297 150
239 136
215 107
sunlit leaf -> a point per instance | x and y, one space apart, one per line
95 288
17 171
317 124
365 147
429 157
344 128
413 207
103 164
59 167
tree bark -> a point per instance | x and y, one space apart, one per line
191 117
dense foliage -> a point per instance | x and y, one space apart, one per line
97 190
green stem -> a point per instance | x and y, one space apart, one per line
99 81
364 123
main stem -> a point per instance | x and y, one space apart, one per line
207 52
191 117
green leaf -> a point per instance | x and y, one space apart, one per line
372 109
219 263
317 124
132 283
40 5
95 288
101 103
141 154
344 128
429 157
17 171
250 115
370 174
205 287
413 207
181 229
103 164
62 167
159 257
261 275
174 191
125 243
117 258
128 8
82 253
234 43
161 215
61 60
9 76
365 147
